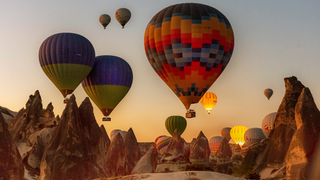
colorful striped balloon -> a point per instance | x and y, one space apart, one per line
237 134
189 45
66 58
176 122
161 143
214 143
108 82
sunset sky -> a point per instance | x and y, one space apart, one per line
273 40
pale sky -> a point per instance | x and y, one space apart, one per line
273 40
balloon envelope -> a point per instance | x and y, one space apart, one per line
237 134
225 132
208 101
176 122
104 19
123 15
267 123
114 132
214 143
161 143
253 135
268 93
108 82
66 58
189 45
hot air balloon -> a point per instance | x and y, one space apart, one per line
108 82
123 15
225 132
237 134
189 45
208 101
161 143
114 132
176 122
268 93
104 19
267 123
66 58
253 135
214 143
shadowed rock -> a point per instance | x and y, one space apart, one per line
285 124
116 159
302 146
74 149
147 163
11 167
7 114
132 151
200 151
223 155
176 151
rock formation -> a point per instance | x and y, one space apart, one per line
200 151
7 114
302 146
11 167
132 153
74 149
147 163
285 124
224 154
176 151
115 158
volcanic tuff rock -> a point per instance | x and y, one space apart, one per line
285 124
132 153
200 151
11 167
116 159
224 154
74 150
7 114
147 163
32 119
176 151
302 146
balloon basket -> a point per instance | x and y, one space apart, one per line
106 119
190 114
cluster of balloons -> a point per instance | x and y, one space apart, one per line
69 59
122 15
189 45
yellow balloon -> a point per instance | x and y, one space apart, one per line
237 134
208 101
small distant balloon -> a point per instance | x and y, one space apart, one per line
123 15
267 123
268 93
104 19
225 132
253 135
214 143
208 101
176 122
161 143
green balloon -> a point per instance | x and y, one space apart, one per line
176 122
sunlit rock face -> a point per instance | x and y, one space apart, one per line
303 143
147 163
115 158
11 166
200 151
285 124
74 149
132 153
